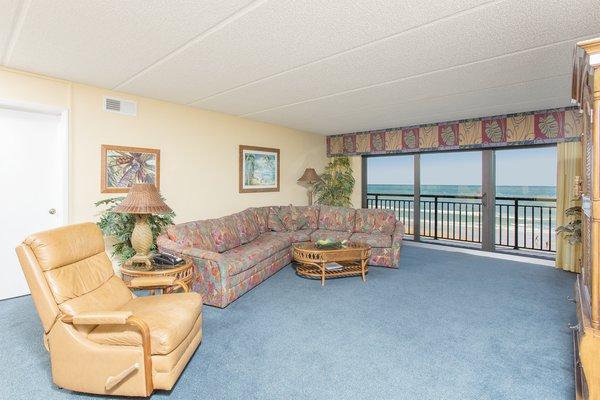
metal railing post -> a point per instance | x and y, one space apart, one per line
516 246
435 218
376 201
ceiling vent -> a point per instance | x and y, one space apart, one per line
119 106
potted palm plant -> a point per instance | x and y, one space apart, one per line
572 230
336 184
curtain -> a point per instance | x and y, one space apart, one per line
569 166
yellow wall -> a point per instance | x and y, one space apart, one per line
199 149
356 163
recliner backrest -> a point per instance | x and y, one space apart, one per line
68 272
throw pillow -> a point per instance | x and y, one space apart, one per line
275 222
299 221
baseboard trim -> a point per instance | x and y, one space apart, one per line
481 253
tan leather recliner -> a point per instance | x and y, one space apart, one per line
103 339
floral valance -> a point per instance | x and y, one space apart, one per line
536 127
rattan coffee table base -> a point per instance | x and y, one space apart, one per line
312 261
315 272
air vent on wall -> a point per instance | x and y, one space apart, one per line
125 107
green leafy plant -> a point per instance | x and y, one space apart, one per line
336 184
572 230
119 226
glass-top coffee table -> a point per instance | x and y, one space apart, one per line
318 263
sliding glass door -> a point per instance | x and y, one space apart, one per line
491 199
451 196
526 198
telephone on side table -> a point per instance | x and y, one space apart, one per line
166 260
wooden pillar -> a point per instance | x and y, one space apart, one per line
488 217
417 198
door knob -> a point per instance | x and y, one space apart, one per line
52 211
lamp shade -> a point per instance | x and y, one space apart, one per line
143 198
309 176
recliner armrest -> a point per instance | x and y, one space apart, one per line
99 318
119 318
154 282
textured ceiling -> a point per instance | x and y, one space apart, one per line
326 66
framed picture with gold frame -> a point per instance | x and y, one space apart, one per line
122 166
258 169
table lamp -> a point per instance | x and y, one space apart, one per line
142 200
309 178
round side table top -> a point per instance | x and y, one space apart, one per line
157 270
183 272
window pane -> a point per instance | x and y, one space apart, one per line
455 173
451 196
390 182
526 198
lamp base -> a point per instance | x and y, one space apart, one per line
141 241
143 261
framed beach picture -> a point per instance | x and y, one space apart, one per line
259 169
122 166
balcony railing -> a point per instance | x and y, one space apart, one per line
521 222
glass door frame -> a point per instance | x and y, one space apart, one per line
488 189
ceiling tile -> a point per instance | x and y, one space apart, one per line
320 80
8 19
106 42
318 65
330 116
281 35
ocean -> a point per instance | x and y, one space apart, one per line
466 190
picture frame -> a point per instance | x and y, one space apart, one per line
259 169
122 166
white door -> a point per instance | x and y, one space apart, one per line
33 181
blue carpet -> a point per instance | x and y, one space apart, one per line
444 326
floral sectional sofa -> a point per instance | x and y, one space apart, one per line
234 253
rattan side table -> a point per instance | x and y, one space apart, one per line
183 272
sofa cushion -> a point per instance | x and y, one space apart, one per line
246 227
375 220
311 214
372 239
296 220
261 217
193 234
225 234
336 218
302 235
287 218
275 222
170 318
246 256
323 234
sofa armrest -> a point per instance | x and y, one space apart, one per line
203 254
99 318
210 278
164 243
398 233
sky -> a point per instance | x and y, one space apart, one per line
515 167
